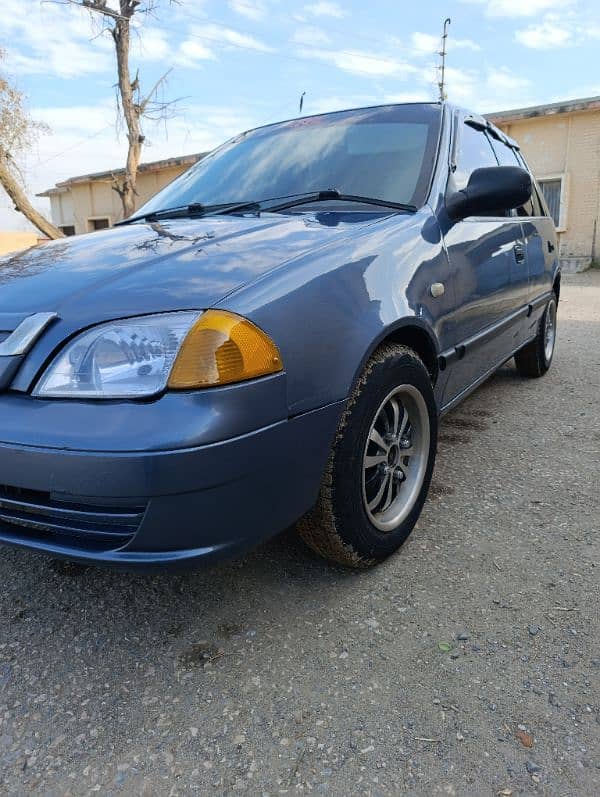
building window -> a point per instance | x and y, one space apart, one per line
98 224
67 229
553 190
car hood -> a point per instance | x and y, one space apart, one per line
161 266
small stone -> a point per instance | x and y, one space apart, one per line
533 629
532 767
459 736
454 655
463 636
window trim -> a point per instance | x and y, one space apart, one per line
462 120
91 219
563 202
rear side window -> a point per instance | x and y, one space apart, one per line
535 206
474 152
552 191
507 156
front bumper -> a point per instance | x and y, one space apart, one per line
171 507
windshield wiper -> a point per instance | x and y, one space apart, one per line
195 209
333 194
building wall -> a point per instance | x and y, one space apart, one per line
567 145
15 241
81 203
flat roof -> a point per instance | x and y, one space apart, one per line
150 166
566 106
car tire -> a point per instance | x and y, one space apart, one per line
535 359
391 411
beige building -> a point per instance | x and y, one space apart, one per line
15 241
88 203
561 143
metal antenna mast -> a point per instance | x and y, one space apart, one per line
442 67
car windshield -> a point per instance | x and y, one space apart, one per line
384 153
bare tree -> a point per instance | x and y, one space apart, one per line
134 105
18 132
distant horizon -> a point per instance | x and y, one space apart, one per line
244 63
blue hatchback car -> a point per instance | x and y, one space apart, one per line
271 340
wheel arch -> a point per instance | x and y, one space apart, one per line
556 286
417 336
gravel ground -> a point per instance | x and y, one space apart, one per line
467 664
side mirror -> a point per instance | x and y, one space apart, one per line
494 189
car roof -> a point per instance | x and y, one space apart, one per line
304 117
481 123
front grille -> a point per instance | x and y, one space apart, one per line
40 516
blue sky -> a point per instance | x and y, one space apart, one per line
239 63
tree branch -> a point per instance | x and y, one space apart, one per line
144 103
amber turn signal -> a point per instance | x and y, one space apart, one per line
222 348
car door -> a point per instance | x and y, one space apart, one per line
542 248
488 261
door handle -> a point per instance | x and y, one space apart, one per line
519 251
550 247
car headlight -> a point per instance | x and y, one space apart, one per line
141 357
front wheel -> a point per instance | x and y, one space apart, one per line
536 358
381 463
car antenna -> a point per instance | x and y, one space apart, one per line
301 102
442 66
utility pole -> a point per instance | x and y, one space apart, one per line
442 67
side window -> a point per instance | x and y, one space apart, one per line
474 152
534 206
552 190
506 155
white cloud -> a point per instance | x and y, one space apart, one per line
191 52
79 119
519 8
325 9
482 90
424 95
52 40
219 34
357 62
335 103
546 35
199 46
426 44
251 9
310 36
503 82
151 45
